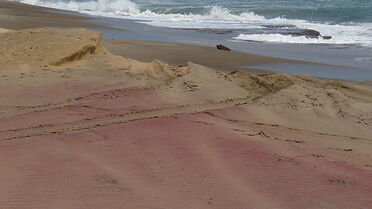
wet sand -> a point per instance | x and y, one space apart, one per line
22 16
178 54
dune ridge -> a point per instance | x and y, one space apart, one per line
80 48
101 130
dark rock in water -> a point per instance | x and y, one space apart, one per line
279 26
327 37
312 33
222 47
308 33
217 31
213 31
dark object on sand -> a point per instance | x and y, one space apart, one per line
327 37
222 47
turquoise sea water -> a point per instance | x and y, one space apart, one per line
348 22
332 11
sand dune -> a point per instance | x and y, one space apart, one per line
39 47
324 105
81 127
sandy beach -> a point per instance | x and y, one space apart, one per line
91 122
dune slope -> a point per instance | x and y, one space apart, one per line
81 127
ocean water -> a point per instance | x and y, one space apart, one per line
349 22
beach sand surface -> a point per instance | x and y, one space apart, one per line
3 30
83 127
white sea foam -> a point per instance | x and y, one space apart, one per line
358 34
364 59
279 38
99 7
216 18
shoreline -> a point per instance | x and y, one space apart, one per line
173 53
352 61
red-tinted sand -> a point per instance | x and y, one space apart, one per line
82 128
188 160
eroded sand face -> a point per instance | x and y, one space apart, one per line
102 131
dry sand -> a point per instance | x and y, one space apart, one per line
81 127
3 30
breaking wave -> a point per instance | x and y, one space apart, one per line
215 18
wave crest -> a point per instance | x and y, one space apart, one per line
121 7
216 18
